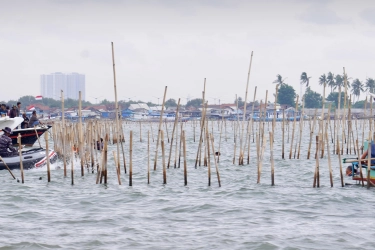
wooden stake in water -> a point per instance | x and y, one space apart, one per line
117 168
160 123
173 130
5 164
117 107
163 157
272 161
47 156
148 157
131 159
63 131
294 126
185 165
216 162
20 153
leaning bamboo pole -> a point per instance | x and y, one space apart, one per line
20 154
201 133
47 155
294 126
116 107
63 131
244 114
173 130
312 129
160 123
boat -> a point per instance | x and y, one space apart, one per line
353 170
28 135
31 158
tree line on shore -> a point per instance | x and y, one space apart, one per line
286 94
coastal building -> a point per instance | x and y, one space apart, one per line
71 83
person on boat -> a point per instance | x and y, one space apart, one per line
13 112
3 110
25 123
34 120
8 110
349 171
364 155
6 147
18 109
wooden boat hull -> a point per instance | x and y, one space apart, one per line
28 135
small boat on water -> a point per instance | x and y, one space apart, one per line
31 158
28 135
353 170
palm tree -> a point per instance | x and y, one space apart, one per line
339 82
357 88
370 85
331 80
304 79
323 79
279 80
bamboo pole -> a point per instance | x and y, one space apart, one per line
244 113
215 160
160 122
163 157
148 157
185 165
5 164
201 134
173 130
117 167
272 160
116 106
47 155
294 126
80 132
131 159
20 154
283 136
360 166
63 131
316 173
312 129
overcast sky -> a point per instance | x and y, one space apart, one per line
179 43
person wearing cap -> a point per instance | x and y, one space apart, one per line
25 123
13 112
6 147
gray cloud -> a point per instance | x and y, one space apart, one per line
321 15
368 15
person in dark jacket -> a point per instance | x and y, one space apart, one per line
13 112
6 147
18 109
34 120
25 123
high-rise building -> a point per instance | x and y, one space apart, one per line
52 84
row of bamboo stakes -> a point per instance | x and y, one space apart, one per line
79 140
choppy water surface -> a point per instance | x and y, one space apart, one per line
239 215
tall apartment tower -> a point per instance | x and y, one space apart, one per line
52 84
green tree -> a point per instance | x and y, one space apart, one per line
370 85
359 104
305 80
331 80
357 88
286 95
240 102
279 80
171 103
196 103
334 97
312 99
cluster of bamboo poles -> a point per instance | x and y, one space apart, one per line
82 139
